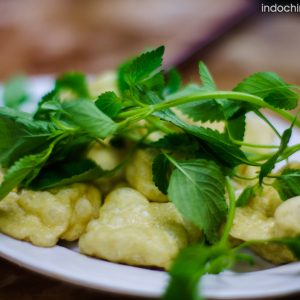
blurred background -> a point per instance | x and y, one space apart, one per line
232 36
48 37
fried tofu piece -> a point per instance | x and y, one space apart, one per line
267 217
44 217
134 231
108 158
139 175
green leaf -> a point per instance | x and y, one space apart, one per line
272 88
197 190
179 142
236 127
154 83
27 168
45 108
15 92
123 87
213 141
209 110
245 196
191 264
75 82
173 83
269 165
229 154
203 110
186 272
160 171
20 135
143 66
64 173
206 77
89 118
109 103
288 183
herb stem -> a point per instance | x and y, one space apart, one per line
231 213
261 116
159 125
171 102
253 145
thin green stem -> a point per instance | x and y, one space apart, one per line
231 213
261 116
159 125
172 102
253 145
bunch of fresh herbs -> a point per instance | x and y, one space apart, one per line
194 166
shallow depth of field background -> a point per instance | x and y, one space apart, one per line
48 37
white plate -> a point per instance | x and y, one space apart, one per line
65 263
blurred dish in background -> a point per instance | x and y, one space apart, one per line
40 37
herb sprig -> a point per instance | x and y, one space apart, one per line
195 165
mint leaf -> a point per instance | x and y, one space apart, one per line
154 83
43 112
109 103
214 142
197 190
272 88
64 173
89 118
236 127
203 110
15 91
209 110
186 271
217 144
74 82
160 171
206 77
141 74
245 196
27 168
173 82
269 165
191 264
288 184
20 135
141 67
179 142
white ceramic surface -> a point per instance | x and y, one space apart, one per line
65 263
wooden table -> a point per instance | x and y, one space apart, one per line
31 43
